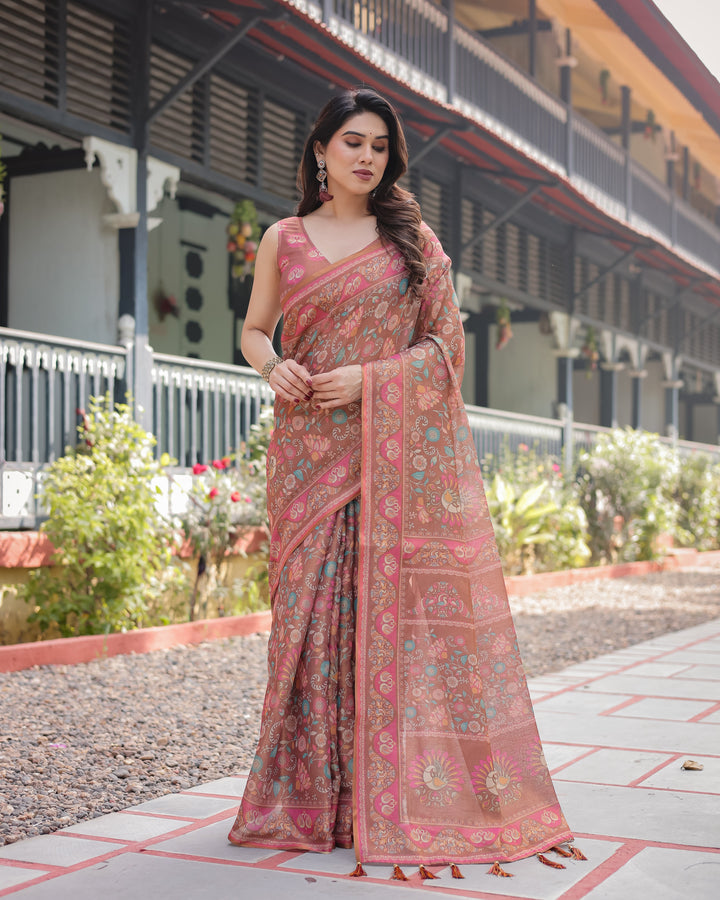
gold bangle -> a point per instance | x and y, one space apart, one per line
269 366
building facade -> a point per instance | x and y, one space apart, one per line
566 152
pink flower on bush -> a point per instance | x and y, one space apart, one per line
213 493
235 496
523 447
199 468
555 467
219 464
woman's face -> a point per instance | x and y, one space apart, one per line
357 154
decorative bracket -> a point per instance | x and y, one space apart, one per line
564 329
118 172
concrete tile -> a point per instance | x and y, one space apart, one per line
225 787
713 718
612 766
674 777
626 733
187 806
54 850
592 667
529 879
662 708
125 827
658 669
542 684
580 700
339 862
703 672
663 875
133 876
560 754
645 814
12 876
210 842
538 695
694 656
626 683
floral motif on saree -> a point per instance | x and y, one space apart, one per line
397 715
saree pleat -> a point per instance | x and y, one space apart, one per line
299 793
397 718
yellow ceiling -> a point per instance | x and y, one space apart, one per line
600 44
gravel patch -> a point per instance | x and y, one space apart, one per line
82 741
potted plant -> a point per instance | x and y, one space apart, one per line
502 318
243 233
590 350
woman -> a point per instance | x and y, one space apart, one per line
397 718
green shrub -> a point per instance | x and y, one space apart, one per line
698 498
227 497
539 525
112 547
627 486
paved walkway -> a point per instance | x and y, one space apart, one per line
616 731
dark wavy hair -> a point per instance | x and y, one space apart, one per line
397 211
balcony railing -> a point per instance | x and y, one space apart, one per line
201 410
416 41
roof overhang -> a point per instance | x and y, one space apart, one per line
300 37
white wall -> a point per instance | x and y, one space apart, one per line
63 272
468 382
652 408
624 398
523 375
180 233
586 396
705 423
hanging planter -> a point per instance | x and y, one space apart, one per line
243 235
651 126
165 304
697 172
604 80
591 351
502 318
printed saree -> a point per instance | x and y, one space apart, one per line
397 717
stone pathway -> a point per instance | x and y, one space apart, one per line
616 731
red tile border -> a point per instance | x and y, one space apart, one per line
708 712
602 872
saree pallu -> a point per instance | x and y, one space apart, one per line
397 717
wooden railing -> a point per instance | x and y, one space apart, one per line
201 411
204 410
416 41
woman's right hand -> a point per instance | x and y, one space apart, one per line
291 381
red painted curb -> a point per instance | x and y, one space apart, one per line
520 585
30 549
24 550
70 651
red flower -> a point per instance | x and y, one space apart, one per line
199 468
213 493
227 460
235 496
219 464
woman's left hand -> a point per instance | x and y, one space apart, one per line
337 388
